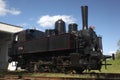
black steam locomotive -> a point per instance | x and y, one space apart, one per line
56 50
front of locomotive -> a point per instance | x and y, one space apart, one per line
93 44
88 54
90 49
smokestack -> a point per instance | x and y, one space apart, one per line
84 10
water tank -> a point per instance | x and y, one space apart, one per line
60 26
72 27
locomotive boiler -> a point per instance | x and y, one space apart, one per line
57 50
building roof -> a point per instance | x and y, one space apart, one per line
4 27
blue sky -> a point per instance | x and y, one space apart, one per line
103 14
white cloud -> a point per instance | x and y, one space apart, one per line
14 11
28 26
23 24
4 10
49 21
111 52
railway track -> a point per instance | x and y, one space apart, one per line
57 76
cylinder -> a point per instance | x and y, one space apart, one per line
72 27
100 43
60 26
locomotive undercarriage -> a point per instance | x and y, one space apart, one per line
45 62
64 63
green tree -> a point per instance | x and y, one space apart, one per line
118 51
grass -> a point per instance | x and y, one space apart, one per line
61 75
114 68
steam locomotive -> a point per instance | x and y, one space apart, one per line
56 50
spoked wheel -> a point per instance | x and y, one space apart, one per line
79 70
30 68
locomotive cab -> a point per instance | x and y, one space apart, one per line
27 35
23 36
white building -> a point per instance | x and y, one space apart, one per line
6 31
